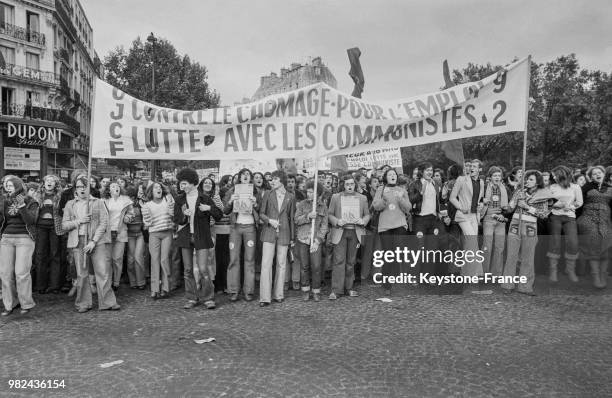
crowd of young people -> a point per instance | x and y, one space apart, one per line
256 235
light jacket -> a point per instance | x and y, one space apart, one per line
335 214
461 195
127 213
97 228
270 211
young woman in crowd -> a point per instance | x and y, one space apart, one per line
394 206
95 189
494 222
208 187
122 182
242 235
438 176
567 198
221 232
157 216
372 184
514 179
18 217
595 223
89 238
261 186
136 242
300 188
49 229
120 212
580 180
530 203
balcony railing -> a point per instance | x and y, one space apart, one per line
39 113
30 74
22 33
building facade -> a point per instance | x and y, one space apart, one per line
296 76
47 83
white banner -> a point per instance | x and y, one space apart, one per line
314 121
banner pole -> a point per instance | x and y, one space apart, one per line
524 163
316 176
93 107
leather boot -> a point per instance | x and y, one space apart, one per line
603 273
552 269
570 268
595 273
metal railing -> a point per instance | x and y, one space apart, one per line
39 113
21 33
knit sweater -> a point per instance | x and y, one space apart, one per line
157 217
570 197
393 204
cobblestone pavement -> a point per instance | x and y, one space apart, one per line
422 344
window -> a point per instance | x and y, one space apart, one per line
32 61
7 15
7 100
9 54
32 21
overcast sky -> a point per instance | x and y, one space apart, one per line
402 42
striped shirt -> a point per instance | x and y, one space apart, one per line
158 216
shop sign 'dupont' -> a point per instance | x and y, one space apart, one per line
33 135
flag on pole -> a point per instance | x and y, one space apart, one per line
356 73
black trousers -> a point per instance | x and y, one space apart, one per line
48 270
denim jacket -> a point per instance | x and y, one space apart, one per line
304 224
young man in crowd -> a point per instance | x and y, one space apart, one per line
346 236
466 196
424 196
276 214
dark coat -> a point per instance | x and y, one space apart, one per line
29 214
202 238
416 197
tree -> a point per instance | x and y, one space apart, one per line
569 120
179 82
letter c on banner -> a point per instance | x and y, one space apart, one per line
118 94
